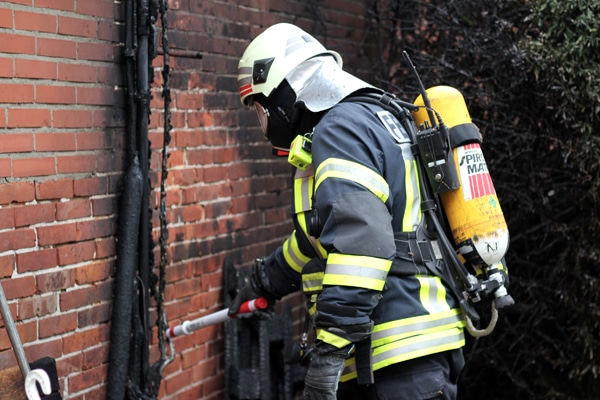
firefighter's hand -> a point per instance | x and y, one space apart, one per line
323 374
250 292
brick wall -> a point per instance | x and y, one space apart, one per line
62 157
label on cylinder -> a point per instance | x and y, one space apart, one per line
476 179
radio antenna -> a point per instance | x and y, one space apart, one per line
421 88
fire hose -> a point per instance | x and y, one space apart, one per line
188 327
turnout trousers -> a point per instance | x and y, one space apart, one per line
432 377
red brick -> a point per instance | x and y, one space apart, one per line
7 265
37 260
87 379
51 348
95 355
57 234
76 73
19 44
72 118
24 2
16 93
112 118
95 96
5 168
98 8
74 208
28 118
26 167
76 252
37 306
55 189
94 141
77 27
57 48
34 214
94 272
16 192
7 217
17 239
55 141
56 325
110 75
35 69
55 94
73 164
6 18
96 52
19 287
6 67
105 247
95 228
29 21
99 314
110 31
91 186
78 298
64 5
54 281
16 142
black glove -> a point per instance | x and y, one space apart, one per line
249 292
324 373
253 289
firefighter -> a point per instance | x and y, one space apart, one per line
386 326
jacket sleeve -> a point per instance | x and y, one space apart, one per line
352 199
283 267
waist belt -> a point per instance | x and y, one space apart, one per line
416 255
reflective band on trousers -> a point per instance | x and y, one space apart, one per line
354 172
358 271
408 349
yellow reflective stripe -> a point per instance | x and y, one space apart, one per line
303 189
433 294
423 324
408 349
349 170
312 282
292 254
332 339
358 271
412 213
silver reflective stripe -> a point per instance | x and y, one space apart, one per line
303 184
356 271
315 283
354 172
409 349
420 324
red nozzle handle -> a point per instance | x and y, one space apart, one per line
252 305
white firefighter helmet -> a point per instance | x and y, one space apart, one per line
272 55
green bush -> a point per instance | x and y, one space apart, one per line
530 72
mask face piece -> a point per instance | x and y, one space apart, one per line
278 118
263 117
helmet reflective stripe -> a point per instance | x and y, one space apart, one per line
245 84
272 55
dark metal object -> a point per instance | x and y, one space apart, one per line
254 350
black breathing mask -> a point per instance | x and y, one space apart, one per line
280 117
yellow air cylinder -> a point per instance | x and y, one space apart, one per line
473 210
